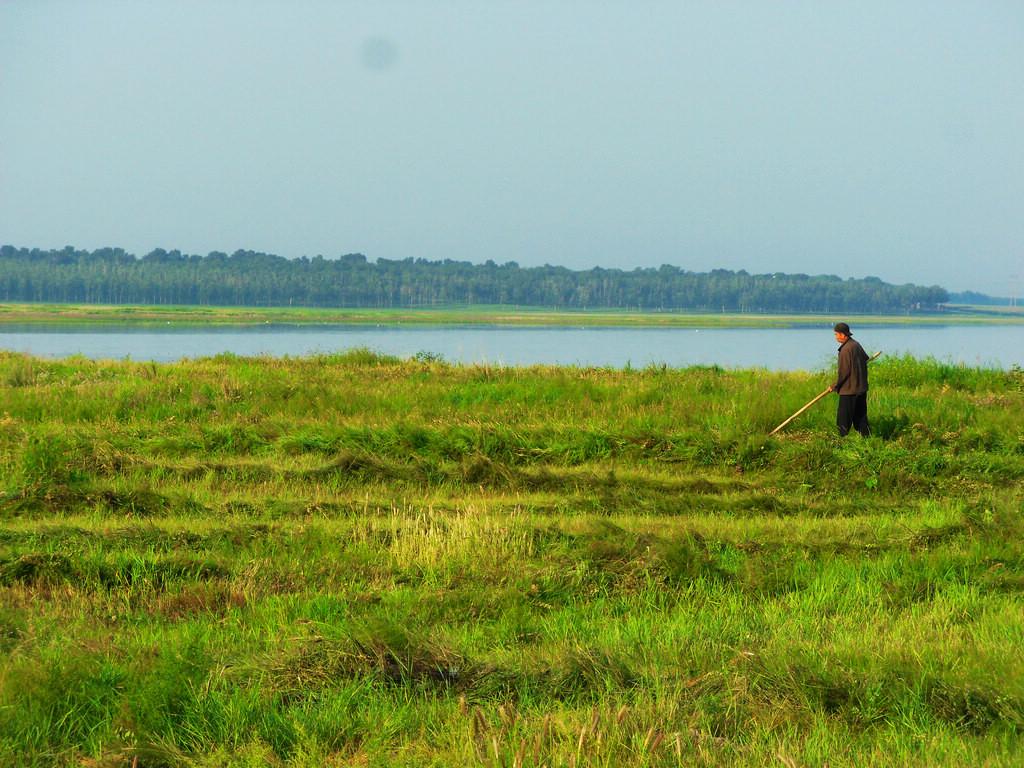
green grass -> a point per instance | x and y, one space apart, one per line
490 315
358 560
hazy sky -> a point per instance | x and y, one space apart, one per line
851 138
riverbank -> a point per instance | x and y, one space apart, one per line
87 314
352 559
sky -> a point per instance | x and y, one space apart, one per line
849 138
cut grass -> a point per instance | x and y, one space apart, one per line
358 560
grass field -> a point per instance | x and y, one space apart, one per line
356 560
490 315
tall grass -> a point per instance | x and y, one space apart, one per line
357 560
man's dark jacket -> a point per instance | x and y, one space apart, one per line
852 376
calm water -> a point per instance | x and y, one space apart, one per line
773 348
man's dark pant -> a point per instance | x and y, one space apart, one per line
853 410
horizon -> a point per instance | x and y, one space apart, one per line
855 140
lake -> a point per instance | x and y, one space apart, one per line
772 348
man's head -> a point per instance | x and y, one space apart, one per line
842 331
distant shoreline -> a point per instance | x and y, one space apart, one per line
67 314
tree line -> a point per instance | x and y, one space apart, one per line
973 297
250 278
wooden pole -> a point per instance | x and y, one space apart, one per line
816 399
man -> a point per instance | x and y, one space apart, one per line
851 383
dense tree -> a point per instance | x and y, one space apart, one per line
111 276
972 297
